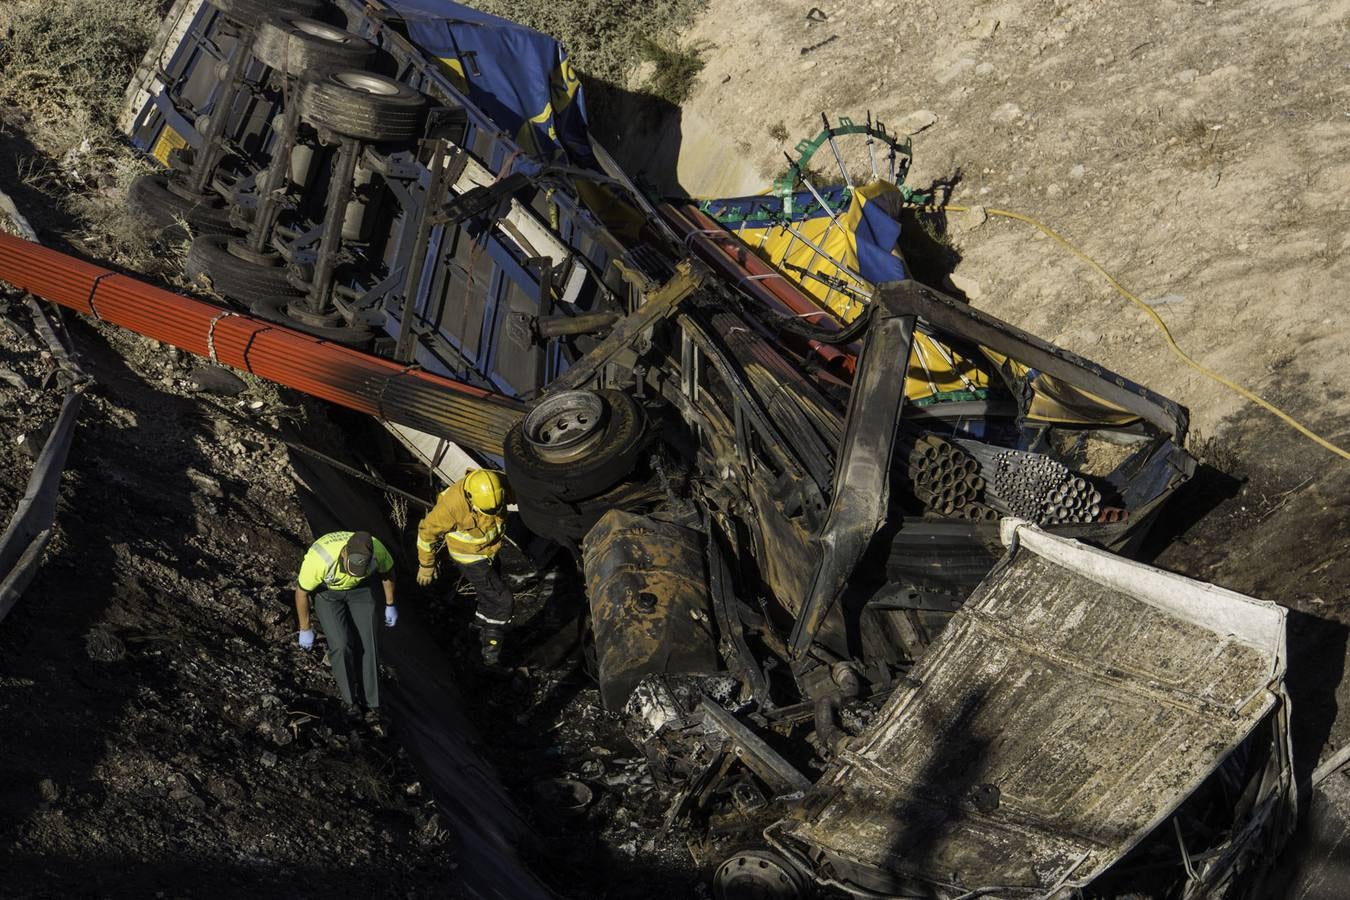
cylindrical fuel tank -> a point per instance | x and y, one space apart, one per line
647 583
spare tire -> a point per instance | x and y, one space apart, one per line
251 12
299 45
622 438
363 105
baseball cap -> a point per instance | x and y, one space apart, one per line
360 554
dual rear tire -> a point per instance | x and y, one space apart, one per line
577 455
299 45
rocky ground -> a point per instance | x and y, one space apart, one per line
163 733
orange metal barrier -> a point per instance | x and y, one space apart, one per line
468 415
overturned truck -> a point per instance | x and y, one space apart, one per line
845 538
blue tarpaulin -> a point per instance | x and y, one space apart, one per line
520 78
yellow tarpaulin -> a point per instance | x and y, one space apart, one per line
821 254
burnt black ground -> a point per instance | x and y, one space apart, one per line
160 730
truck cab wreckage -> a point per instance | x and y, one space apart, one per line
844 538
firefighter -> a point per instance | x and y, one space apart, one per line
335 578
470 515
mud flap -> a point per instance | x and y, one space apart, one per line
648 589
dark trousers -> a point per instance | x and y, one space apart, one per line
495 601
350 621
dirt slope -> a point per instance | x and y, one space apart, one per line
1197 150
161 730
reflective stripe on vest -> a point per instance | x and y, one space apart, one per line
331 576
489 535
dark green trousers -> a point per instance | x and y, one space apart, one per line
350 621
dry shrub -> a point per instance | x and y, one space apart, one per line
65 63
605 38
64 66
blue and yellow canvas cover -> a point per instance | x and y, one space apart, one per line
520 78
838 256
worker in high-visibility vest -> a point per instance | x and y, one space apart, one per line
470 516
335 578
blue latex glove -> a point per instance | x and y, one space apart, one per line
307 638
390 615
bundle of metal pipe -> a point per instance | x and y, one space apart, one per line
1033 486
943 477
406 395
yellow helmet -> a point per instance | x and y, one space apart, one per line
485 490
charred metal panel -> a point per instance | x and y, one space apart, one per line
1073 703
648 591
861 492
783 549
948 314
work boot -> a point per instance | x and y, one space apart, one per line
491 636
375 723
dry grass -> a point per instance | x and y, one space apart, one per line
63 70
674 70
605 38
1199 143
66 63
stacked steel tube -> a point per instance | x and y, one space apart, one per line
405 395
1033 486
947 480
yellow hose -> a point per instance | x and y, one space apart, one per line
1157 321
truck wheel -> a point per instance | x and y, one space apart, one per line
301 45
276 309
250 12
150 198
560 521
597 453
363 105
757 872
241 280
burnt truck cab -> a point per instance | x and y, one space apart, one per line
744 616
806 477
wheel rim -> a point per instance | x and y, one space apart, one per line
367 83
321 30
565 426
757 875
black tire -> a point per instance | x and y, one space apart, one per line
565 522
299 45
243 281
251 12
608 463
165 213
363 105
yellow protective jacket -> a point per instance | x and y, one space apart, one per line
470 535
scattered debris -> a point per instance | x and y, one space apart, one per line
215 380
